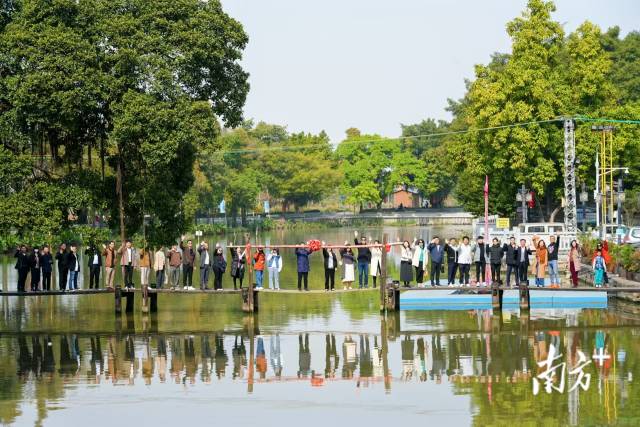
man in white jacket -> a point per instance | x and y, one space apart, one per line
464 260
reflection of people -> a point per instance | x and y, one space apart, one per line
304 356
331 356
366 362
349 357
261 358
406 349
239 354
275 355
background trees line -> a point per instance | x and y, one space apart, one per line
133 107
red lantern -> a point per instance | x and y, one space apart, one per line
532 199
315 245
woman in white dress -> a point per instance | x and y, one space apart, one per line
376 261
348 261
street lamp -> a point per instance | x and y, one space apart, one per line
524 196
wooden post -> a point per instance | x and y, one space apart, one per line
130 295
496 296
249 305
383 272
118 299
392 301
523 290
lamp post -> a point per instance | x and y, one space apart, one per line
524 196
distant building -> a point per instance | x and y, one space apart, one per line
408 197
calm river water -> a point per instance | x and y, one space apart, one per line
312 359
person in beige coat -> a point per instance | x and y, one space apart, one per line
129 260
159 261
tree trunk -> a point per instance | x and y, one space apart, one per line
243 217
102 157
89 155
119 192
552 217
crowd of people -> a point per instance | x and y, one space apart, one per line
174 266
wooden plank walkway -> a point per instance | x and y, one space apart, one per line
179 292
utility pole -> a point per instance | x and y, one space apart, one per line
521 197
570 209
619 216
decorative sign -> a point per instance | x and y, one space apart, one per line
198 233
266 206
221 206
503 223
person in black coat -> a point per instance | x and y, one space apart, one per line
22 265
46 261
34 265
63 271
94 262
451 248
522 258
496 252
73 267
364 261
511 258
219 266
330 265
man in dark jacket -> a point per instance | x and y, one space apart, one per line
34 265
46 261
302 256
94 263
451 248
22 265
480 257
330 265
436 253
552 250
73 267
522 257
495 257
511 257
364 261
188 260
63 271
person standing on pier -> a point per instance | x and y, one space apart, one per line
159 263
259 260
465 258
511 256
47 267
419 260
552 250
73 265
238 261
128 261
219 266
599 267
451 248
364 261
23 266
574 262
94 262
34 264
61 259
175 261
542 260
406 257
348 261
302 255
330 264
376 262
480 256
188 261
145 266
496 252
274 265
205 265
522 255
109 254
436 253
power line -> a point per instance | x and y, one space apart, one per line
399 138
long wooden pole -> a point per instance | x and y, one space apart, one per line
247 241
383 272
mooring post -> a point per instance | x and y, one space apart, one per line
496 296
523 290
153 298
118 299
392 301
383 272
248 307
130 295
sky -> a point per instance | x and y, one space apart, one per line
375 64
